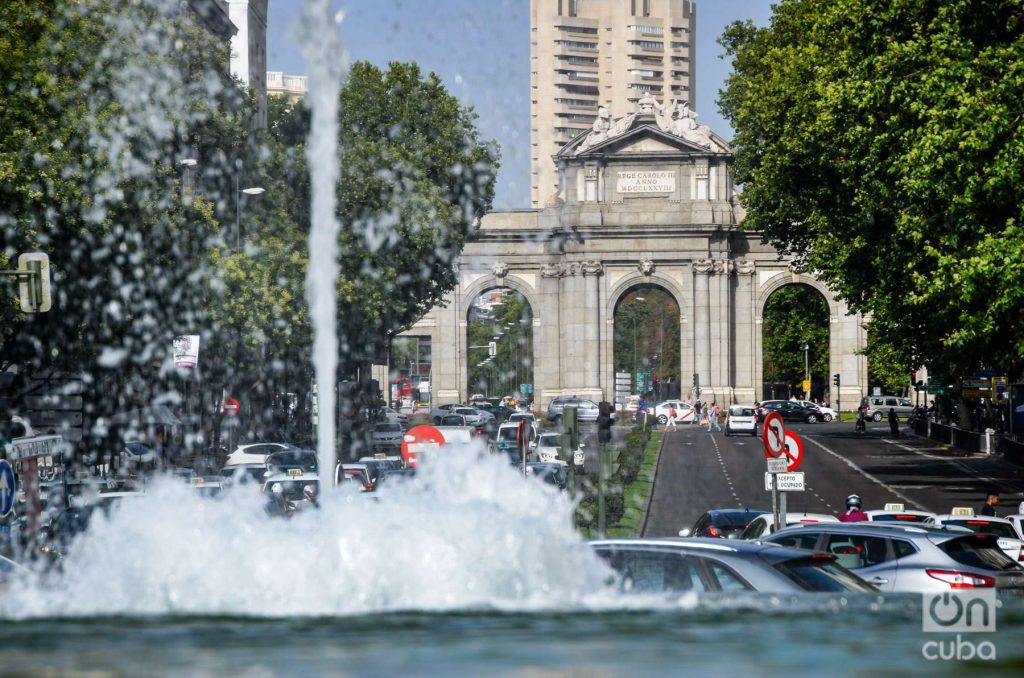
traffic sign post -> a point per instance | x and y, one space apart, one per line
8 488
773 434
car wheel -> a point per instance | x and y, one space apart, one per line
437 421
662 419
828 417
877 416
811 418
754 432
727 432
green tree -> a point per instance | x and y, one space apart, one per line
880 143
95 122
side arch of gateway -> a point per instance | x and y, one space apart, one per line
643 201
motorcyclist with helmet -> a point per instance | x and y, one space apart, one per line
853 513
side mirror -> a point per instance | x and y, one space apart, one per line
685 532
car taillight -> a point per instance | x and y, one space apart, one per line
713 532
962 580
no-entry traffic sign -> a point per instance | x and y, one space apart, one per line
773 434
231 406
422 438
794 451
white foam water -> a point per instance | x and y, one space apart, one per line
468 532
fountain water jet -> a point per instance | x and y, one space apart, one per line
322 51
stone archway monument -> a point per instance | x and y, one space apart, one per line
646 198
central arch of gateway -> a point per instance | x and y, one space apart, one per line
645 200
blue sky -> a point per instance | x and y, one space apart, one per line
481 50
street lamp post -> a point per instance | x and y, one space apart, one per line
636 365
807 371
252 190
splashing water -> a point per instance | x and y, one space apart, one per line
467 533
322 51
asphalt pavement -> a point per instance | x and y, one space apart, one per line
698 471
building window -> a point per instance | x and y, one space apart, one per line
573 7
647 30
648 44
647 7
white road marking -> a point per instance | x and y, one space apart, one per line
870 477
955 462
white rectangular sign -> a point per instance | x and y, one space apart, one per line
646 182
779 465
186 350
37 446
788 482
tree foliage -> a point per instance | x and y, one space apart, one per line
646 335
881 144
795 315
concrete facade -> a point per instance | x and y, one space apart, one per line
249 51
644 200
590 53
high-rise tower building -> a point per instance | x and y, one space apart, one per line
590 53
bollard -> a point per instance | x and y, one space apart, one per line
988 440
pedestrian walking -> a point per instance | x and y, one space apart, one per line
860 425
989 507
671 423
713 417
704 418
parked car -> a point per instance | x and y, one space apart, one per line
878 407
790 410
685 413
659 566
354 473
394 416
387 437
586 410
1015 520
292 484
741 419
765 523
244 473
722 523
438 413
909 558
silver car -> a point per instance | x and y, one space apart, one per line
897 557
656 566
586 410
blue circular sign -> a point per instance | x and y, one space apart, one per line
8 488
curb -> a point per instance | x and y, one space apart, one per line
654 485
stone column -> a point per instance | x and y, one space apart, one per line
721 330
548 364
702 270
743 336
591 271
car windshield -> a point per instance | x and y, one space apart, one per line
387 428
548 440
741 411
821 574
305 460
738 519
508 433
974 551
1004 530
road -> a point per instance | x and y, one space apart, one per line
698 471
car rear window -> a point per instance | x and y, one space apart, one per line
508 433
978 551
1004 530
738 411
818 573
739 519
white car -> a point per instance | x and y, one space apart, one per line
684 412
1016 521
531 423
394 416
256 453
825 413
1009 540
741 419
896 513
387 436
765 523
549 448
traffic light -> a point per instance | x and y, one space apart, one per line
835 379
696 380
605 419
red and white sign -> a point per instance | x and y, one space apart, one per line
231 406
423 438
773 434
794 450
